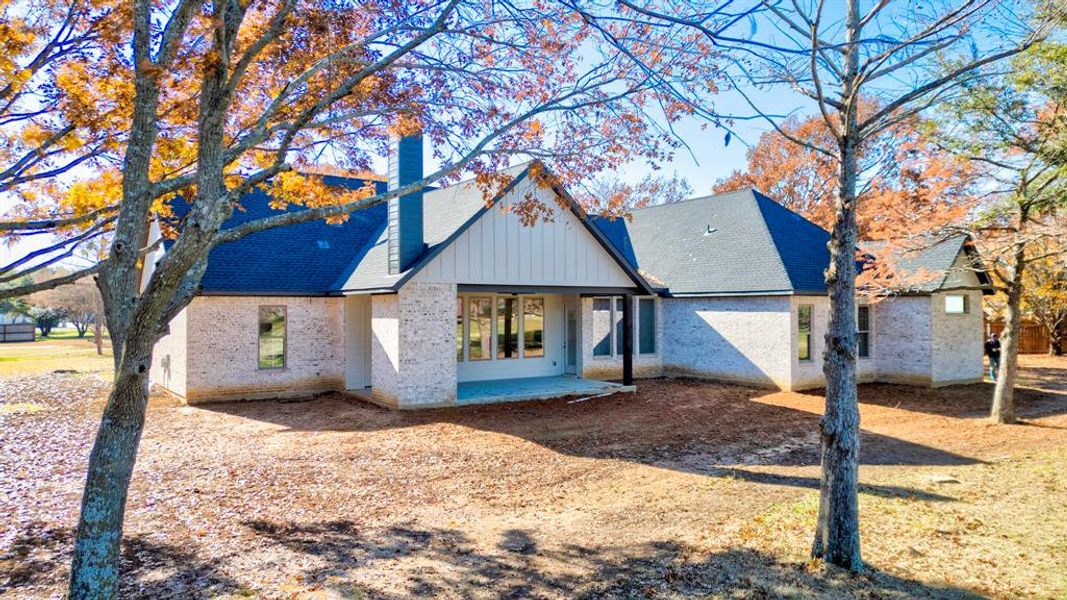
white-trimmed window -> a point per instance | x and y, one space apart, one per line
533 327
499 327
804 313
957 304
272 337
863 331
608 327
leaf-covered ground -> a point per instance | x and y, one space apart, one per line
682 489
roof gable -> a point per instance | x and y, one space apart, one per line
498 249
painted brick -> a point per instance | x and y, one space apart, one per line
413 360
957 341
169 357
223 348
610 367
740 339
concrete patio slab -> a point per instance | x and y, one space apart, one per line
534 388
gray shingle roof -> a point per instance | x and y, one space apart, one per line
301 259
936 258
736 243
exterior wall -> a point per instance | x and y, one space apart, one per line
499 250
413 352
610 367
385 348
902 346
956 341
169 357
808 374
900 342
223 348
740 339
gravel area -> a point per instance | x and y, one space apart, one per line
680 489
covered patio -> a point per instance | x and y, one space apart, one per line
534 388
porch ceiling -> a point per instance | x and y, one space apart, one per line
533 388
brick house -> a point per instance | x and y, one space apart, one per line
438 299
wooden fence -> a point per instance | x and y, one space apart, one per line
18 332
1033 339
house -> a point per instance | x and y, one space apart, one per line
439 299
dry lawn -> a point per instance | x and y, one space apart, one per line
61 352
682 489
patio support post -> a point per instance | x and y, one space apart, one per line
628 340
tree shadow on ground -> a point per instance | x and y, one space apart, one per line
690 426
1036 395
445 562
39 559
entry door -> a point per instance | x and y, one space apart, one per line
571 360
357 342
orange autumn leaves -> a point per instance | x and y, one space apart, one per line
909 185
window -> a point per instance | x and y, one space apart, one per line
499 327
271 337
608 326
863 331
602 326
956 304
804 332
459 329
646 326
481 323
533 327
507 328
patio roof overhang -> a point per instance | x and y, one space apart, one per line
549 289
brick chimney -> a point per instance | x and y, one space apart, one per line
405 212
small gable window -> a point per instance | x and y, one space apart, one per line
956 304
271 337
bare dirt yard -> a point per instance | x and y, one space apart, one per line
682 489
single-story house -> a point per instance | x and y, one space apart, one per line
440 298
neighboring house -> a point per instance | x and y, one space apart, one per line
421 302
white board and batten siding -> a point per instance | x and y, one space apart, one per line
499 250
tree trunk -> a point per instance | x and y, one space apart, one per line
95 564
1055 342
1003 410
98 335
837 533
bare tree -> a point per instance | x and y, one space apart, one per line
1013 123
904 56
77 301
226 97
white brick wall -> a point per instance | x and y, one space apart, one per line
957 341
902 342
413 352
742 339
223 348
385 348
610 367
169 357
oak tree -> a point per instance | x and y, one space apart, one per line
209 100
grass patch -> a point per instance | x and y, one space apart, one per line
54 354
